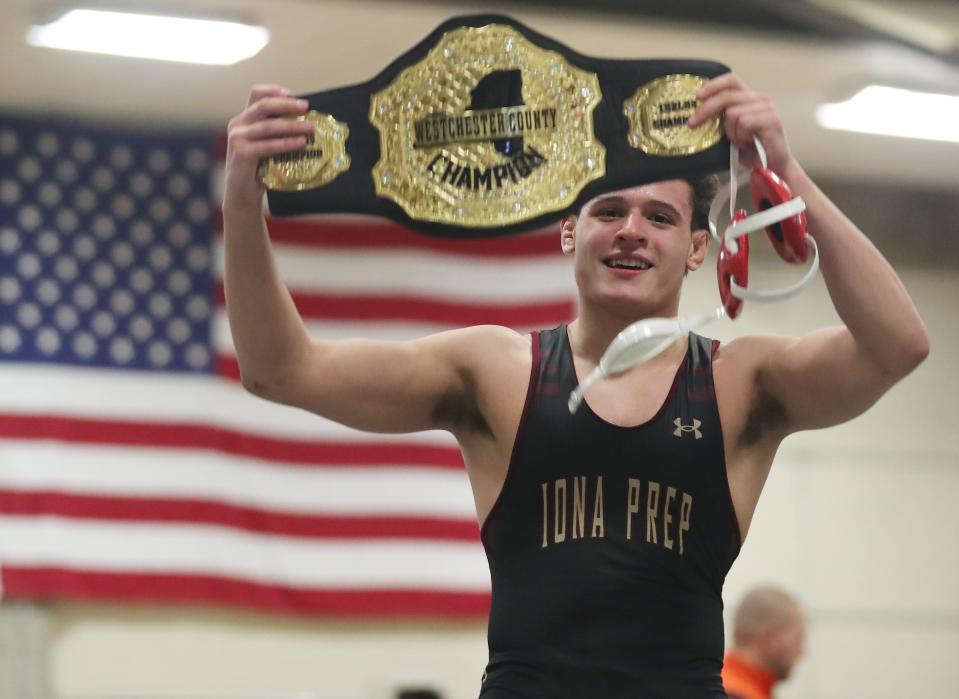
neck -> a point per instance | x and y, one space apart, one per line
595 328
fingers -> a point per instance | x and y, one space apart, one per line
258 123
719 94
715 96
268 137
262 130
718 102
744 112
726 81
743 121
269 106
259 91
257 150
276 128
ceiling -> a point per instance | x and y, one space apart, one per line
801 53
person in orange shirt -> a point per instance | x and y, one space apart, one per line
769 633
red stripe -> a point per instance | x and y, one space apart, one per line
186 436
219 150
228 366
431 310
139 509
384 235
33 583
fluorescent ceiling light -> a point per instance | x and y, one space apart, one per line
181 39
892 111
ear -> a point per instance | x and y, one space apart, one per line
568 234
697 249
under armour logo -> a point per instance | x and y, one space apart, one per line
694 428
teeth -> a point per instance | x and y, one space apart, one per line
632 264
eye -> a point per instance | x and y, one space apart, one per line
661 218
606 212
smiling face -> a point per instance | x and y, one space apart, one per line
631 249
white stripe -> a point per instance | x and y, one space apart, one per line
424 273
192 474
209 550
196 400
341 330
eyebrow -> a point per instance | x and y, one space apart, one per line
614 199
604 200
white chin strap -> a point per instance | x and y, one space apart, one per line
647 338
638 343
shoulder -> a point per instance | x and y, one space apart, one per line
480 345
464 347
496 335
752 352
493 363
481 354
497 354
747 359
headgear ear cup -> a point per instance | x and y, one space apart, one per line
789 235
731 266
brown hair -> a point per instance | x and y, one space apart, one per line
703 191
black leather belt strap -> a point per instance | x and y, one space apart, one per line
487 127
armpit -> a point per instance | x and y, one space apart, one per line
458 409
765 415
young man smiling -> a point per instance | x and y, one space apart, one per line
609 532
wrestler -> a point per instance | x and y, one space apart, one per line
609 532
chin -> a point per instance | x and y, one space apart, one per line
626 303
632 299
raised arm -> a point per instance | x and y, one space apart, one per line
370 385
834 374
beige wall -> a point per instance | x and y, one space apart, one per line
859 521
122 652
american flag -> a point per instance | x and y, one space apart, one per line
133 466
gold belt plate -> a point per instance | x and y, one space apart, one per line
442 158
325 157
657 114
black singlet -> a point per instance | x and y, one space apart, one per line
608 546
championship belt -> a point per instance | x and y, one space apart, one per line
487 127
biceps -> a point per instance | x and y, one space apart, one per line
376 386
823 379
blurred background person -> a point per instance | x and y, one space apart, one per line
418 693
769 634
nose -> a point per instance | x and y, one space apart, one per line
633 229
